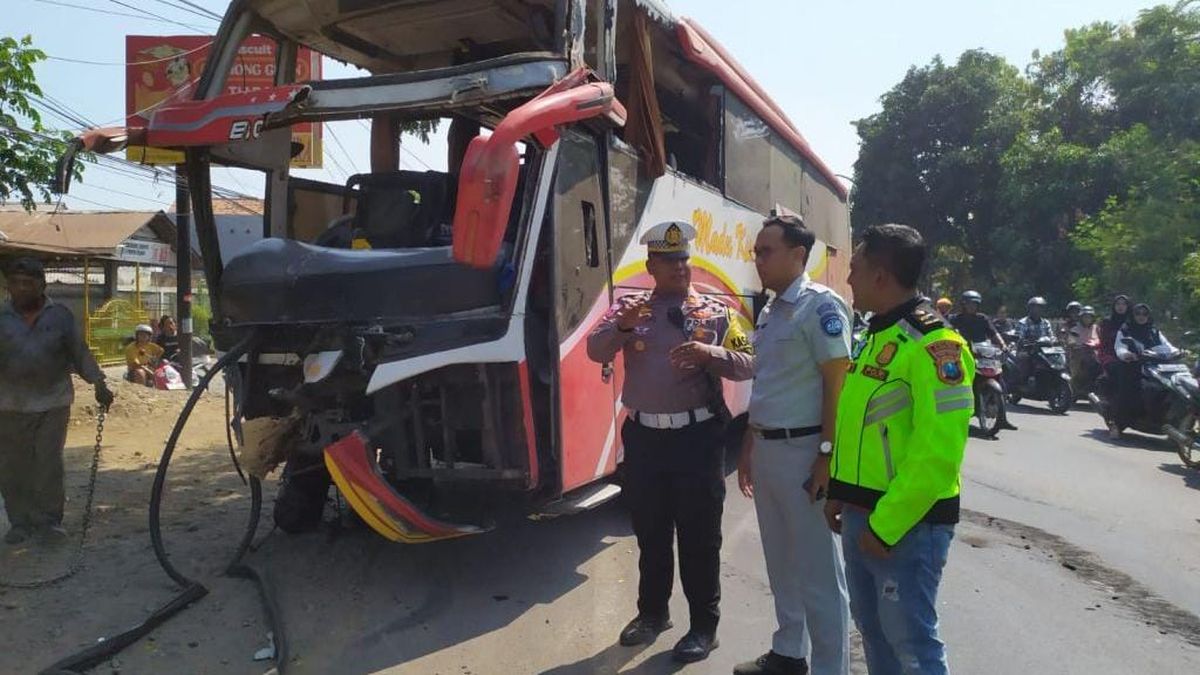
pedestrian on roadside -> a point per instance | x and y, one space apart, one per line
901 431
677 345
802 349
40 346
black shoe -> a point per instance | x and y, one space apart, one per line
773 664
643 629
694 647
1005 424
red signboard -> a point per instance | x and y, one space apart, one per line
160 67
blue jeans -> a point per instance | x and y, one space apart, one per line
894 601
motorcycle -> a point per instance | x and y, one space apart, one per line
989 393
1170 402
1037 370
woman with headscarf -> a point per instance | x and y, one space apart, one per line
1137 336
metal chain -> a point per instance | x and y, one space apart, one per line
77 556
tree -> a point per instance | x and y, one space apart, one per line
932 159
27 159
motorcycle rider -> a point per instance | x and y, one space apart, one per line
1002 322
1071 320
1106 353
1034 326
944 305
1137 336
975 326
1030 329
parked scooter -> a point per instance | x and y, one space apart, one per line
1037 370
989 393
1170 402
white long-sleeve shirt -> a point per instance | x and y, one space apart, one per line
1126 354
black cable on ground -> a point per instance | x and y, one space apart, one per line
192 590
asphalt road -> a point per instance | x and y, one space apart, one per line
1076 556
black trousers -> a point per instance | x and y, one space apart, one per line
675 483
1127 378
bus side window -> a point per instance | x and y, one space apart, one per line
591 248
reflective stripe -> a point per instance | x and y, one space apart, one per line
913 331
885 412
887 451
888 398
957 404
953 392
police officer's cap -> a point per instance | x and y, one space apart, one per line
972 296
1037 301
671 240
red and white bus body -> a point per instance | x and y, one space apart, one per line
427 331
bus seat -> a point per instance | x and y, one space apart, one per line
281 281
401 209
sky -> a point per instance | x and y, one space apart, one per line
825 63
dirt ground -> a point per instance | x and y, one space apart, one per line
204 513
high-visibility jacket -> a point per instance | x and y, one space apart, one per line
902 421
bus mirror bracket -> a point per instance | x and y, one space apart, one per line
487 183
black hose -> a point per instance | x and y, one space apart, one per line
192 590
160 477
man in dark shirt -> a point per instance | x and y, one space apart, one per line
168 338
39 347
974 325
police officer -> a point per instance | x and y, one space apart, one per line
676 346
901 430
802 348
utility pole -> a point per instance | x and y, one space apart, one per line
183 271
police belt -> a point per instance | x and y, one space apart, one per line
780 434
677 420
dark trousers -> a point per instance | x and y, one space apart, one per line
675 483
31 466
1127 381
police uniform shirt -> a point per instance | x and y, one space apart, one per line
652 383
803 327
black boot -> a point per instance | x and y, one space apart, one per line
643 629
773 664
1005 424
695 646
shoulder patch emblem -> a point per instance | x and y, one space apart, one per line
885 355
947 358
832 325
875 373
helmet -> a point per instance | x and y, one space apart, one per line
1087 311
1074 305
1036 301
143 328
971 296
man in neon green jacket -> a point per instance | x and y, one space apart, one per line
901 430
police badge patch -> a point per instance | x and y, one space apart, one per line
947 357
832 325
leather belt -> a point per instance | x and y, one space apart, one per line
780 434
677 420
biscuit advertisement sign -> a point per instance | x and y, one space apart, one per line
159 67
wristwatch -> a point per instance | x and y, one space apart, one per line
826 448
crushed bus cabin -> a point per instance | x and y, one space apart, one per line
417 337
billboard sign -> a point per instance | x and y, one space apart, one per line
158 67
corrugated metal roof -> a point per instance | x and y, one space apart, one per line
77 233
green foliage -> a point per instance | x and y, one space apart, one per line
1078 178
27 160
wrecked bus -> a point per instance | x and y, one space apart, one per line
417 337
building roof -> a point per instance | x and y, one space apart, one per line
79 233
